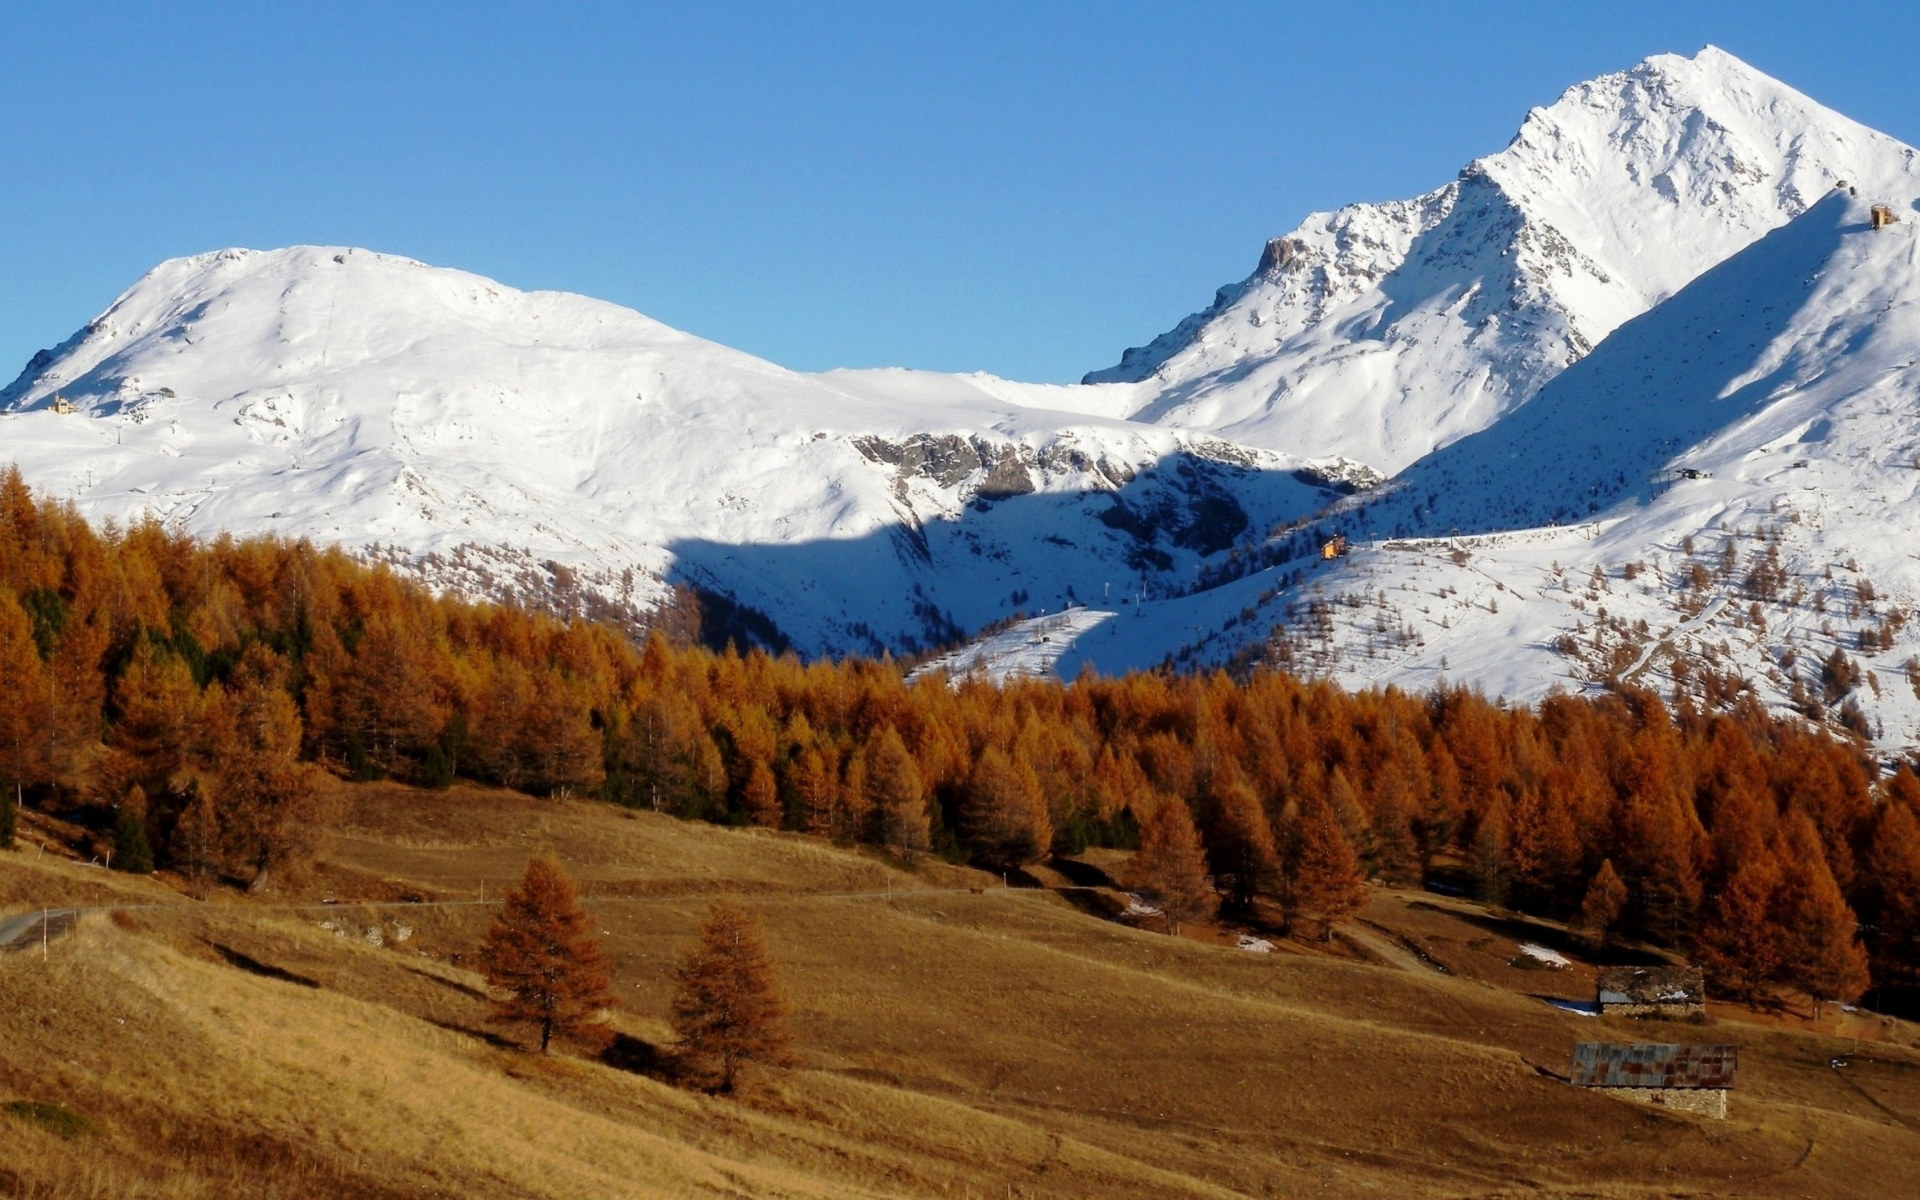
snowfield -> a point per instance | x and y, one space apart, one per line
1382 331
497 439
1631 401
1727 487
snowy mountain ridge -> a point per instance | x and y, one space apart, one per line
1721 499
1643 380
477 433
1379 332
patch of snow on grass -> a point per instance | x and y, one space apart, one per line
1551 959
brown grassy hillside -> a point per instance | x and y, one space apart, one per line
953 1042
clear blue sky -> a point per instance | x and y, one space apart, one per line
1023 188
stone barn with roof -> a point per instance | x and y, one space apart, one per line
1693 1079
1674 992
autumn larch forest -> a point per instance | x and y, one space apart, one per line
188 694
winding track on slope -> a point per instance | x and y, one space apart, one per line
1691 625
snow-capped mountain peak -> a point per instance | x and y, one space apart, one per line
500 440
1380 331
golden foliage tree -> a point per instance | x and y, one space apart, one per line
1820 949
1239 841
270 799
1737 945
727 1007
542 961
22 756
898 796
1170 867
1602 905
1003 814
1892 863
1323 879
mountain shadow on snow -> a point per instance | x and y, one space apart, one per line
1607 429
909 588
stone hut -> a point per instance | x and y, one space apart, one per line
1672 992
1883 216
1693 1079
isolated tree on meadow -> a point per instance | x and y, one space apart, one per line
542 961
727 1008
1170 867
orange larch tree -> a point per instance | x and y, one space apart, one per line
1602 906
1737 945
1170 867
1003 814
542 961
1817 934
1322 873
727 1007
897 795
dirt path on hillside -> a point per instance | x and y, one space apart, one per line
1375 941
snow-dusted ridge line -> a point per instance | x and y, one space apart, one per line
474 432
1657 273
1382 331
1786 383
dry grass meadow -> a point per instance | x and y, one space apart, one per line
956 1039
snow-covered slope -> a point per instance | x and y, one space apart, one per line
1728 486
1647 378
1381 331
478 433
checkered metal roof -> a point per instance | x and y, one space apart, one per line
1655 1065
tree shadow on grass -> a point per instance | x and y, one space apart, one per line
1082 874
451 985
637 1056
254 966
1095 902
486 1035
1520 928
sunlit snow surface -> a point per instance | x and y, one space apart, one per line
371 400
1028 649
1783 382
1381 331
1650 319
